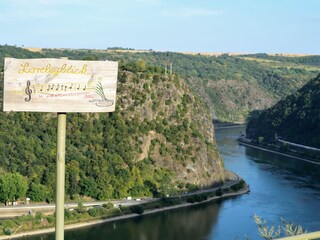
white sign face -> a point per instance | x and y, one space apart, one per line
59 85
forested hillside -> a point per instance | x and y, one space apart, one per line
295 119
158 141
231 86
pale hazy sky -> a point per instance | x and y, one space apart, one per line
274 26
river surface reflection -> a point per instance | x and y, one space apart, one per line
280 187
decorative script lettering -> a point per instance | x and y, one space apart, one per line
55 71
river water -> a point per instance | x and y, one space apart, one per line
280 187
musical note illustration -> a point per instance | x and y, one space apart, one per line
48 88
28 91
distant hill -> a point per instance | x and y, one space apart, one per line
295 119
231 86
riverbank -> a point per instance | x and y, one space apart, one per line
147 212
229 126
277 152
133 215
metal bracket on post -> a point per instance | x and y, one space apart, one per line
60 176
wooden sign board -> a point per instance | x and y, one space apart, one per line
59 85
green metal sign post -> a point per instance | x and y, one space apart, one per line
60 181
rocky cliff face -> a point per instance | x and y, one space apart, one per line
181 137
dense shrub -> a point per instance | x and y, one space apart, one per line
7 231
137 209
94 212
240 185
219 192
50 219
108 205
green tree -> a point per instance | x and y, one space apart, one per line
38 192
141 66
88 187
21 185
72 178
12 187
